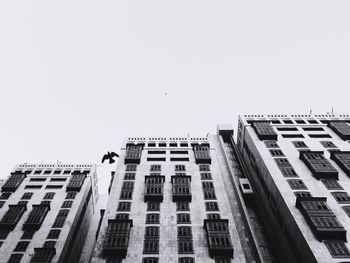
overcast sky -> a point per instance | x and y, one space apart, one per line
78 76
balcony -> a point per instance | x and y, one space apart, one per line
320 218
318 165
43 255
36 217
342 159
12 216
116 241
76 182
202 154
154 186
218 237
133 153
264 130
181 188
13 182
341 128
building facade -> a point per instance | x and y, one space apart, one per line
177 200
299 168
46 211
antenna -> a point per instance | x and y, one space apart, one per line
332 110
310 111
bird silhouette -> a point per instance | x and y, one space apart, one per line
109 156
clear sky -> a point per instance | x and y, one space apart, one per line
78 76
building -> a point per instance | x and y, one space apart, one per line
299 168
179 200
45 214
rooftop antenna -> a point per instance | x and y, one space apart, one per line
332 111
310 111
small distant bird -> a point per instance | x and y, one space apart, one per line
109 156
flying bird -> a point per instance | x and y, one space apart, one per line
109 156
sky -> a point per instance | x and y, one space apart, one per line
76 77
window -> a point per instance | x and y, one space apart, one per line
49 195
71 195
209 193
276 152
156 168
184 231
28 234
133 153
287 129
173 144
62 179
66 171
33 186
37 172
300 121
126 195
152 218
128 186
151 246
57 172
202 154
37 179
296 184
331 184
222 260
328 144
162 144
211 206
302 194
156 152
319 136
182 206
204 167
150 260
67 204
60 219
183 144
47 171
178 152
318 164
206 176
186 260
5 196
21 246
179 159
44 254
342 129
156 159
271 144
180 167
313 129
122 216
76 182
152 231
36 217
292 136
299 144
337 248
288 172
213 216
2 203
341 197
264 130
153 206
185 247
12 216
312 121
131 167
15 258
151 144
183 218
129 176
124 206
54 234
